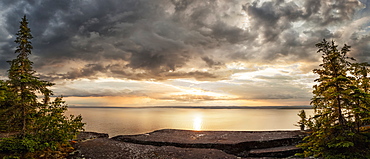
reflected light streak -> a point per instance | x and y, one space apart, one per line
197 123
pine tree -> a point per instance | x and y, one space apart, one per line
341 106
41 124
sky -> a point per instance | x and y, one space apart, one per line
133 53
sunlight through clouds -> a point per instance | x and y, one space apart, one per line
169 53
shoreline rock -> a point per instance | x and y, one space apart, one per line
86 135
171 143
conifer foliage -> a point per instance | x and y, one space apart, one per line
22 81
26 106
341 105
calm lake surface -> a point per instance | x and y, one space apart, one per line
127 121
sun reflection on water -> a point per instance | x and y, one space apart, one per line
120 121
197 122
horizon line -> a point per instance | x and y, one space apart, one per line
203 107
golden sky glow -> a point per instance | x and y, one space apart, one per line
250 88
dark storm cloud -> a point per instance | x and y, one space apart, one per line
339 10
92 71
274 17
197 75
291 29
157 53
361 48
231 34
142 33
181 5
156 39
210 62
89 71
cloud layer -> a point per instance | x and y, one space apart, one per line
163 40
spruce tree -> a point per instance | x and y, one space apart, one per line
360 94
26 105
340 101
22 81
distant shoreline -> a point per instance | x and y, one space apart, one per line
202 107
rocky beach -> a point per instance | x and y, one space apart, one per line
172 143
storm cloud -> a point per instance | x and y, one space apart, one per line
179 39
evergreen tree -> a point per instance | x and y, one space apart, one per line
3 98
41 124
302 122
22 81
361 94
341 106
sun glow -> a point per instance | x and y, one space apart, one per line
201 92
197 122
196 94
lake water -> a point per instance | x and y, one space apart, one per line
127 121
